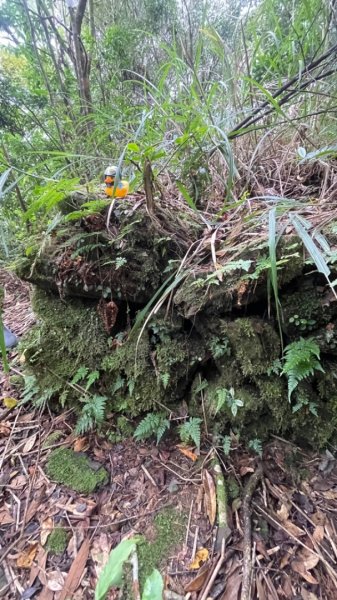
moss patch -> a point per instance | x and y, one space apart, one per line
57 541
169 530
73 470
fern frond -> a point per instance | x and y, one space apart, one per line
153 424
190 430
301 359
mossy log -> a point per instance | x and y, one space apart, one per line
218 326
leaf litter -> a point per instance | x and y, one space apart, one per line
293 515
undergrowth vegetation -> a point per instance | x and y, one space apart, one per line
221 115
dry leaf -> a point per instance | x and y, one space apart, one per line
330 495
18 482
9 402
210 496
245 470
200 558
25 558
306 595
283 512
74 576
187 452
302 564
5 517
29 444
233 585
5 428
100 551
39 567
46 529
81 444
55 581
318 534
196 584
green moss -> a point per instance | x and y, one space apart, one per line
57 541
73 470
52 439
156 367
254 344
169 530
69 335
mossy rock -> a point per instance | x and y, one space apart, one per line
57 541
169 528
73 470
158 366
68 336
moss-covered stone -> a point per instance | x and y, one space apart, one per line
168 533
57 541
73 470
68 336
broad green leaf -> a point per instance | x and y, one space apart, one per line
153 587
112 573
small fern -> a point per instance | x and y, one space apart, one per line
256 446
190 430
226 444
92 413
165 378
153 424
301 359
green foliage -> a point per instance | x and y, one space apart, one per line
301 359
153 587
153 424
3 346
227 397
112 574
256 446
92 413
226 444
190 431
73 470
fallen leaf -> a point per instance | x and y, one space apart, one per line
81 444
18 482
5 428
74 576
25 558
318 534
306 595
196 584
46 594
100 551
9 402
29 444
210 496
283 512
39 567
304 561
233 584
187 452
245 470
330 495
46 529
55 581
200 558
5 517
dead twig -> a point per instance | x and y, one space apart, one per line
215 572
247 533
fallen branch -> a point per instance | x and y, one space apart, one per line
247 533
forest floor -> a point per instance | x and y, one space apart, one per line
293 511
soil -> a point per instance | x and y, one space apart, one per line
292 512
